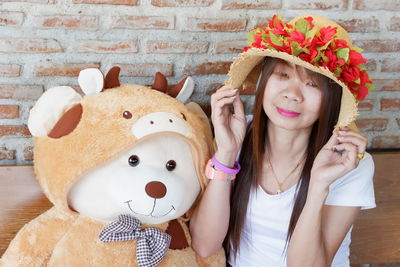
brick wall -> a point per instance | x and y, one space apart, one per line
44 43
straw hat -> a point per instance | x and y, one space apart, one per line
315 43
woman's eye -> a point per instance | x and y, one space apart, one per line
282 74
312 84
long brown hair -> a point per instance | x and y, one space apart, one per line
253 149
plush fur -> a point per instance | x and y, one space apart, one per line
99 134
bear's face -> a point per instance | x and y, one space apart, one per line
155 181
129 149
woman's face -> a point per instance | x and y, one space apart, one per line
292 97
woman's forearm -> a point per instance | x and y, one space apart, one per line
306 247
210 221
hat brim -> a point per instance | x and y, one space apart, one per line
240 73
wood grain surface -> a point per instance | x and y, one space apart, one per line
376 233
21 200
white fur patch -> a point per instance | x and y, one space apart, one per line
50 107
91 81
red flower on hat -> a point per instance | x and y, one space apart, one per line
356 58
318 47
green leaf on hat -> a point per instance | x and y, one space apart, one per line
250 36
357 81
296 49
343 53
276 40
337 72
302 25
370 86
357 49
310 34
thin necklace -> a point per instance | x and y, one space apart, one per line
279 190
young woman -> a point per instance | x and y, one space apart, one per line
302 181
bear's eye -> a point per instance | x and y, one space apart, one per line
171 164
133 160
127 114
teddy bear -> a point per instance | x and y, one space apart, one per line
123 167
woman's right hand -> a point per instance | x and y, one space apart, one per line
229 128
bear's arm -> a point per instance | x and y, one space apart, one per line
34 243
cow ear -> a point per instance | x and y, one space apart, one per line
56 113
160 82
91 81
112 78
186 89
67 123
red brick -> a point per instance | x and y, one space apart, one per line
107 2
360 25
28 153
251 4
215 25
390 141
374 124
69 69
181 3
6 154
9 111
376 5
135 22
10 18
387 84
103 46
207 68
318 4
391 65
29 92
230 46
14 130
65 21
394 24
390 104
175 47
366 105
29 46
379 45
145 69
10 70
370 65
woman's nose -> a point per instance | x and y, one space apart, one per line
293 91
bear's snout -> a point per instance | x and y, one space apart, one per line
156 189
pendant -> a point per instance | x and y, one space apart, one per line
278 191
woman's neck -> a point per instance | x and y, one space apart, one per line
287 144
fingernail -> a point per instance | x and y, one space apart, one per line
340 138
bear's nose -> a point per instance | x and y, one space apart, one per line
156 189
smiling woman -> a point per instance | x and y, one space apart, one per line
304 174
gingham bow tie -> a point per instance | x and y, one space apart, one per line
152 244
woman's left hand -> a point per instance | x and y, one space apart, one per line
338 156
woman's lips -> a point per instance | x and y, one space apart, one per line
287 113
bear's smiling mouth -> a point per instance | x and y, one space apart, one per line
151 213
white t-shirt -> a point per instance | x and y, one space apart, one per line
264 233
